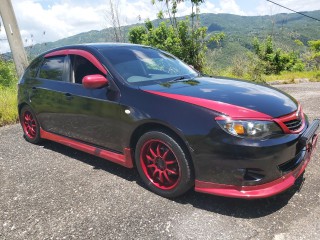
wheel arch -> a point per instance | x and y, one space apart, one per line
155 126
20 106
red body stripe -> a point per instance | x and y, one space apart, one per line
225 108
257 191
82 53
122 159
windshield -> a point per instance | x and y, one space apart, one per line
140 65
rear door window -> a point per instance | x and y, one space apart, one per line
53 68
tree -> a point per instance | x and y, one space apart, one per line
276 60
113 16
185 39
314 46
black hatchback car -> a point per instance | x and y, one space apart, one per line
142 107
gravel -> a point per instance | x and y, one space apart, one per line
50 191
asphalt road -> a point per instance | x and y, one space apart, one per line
54 192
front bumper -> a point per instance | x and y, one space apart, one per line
270 188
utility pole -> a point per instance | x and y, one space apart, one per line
13 35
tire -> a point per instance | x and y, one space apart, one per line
163 165
30 125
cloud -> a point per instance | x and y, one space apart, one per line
64 18
230 6
130 11
224 6
45 21
209 7
58 20
267 8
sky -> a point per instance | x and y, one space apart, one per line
44 21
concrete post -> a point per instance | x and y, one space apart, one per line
13 35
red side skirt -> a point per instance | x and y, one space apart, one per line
122 159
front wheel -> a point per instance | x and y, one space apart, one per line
30 125
163 165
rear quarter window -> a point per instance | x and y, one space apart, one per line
52 68
32 70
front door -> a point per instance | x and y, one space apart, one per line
90 115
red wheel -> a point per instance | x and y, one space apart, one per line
163 165
159 164
30 125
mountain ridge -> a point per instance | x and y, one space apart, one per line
239 30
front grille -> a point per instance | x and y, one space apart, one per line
293 125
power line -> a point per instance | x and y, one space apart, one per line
294 10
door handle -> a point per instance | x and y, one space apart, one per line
68 96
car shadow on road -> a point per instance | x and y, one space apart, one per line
96 162
239 208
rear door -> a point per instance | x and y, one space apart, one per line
48 92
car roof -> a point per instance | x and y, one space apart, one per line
97 46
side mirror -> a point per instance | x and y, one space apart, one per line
94 81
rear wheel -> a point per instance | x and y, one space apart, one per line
163 165
30 125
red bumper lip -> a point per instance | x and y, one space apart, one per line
258 191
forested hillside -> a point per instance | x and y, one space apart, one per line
239 30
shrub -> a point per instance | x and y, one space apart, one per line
276 60
7 74
8 93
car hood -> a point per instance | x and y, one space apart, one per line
236 93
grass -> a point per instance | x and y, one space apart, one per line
313 76
285 77
8 106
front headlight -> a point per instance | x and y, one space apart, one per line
249 128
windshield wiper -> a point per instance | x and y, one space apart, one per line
179 79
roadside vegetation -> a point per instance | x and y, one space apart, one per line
266 63
8 93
